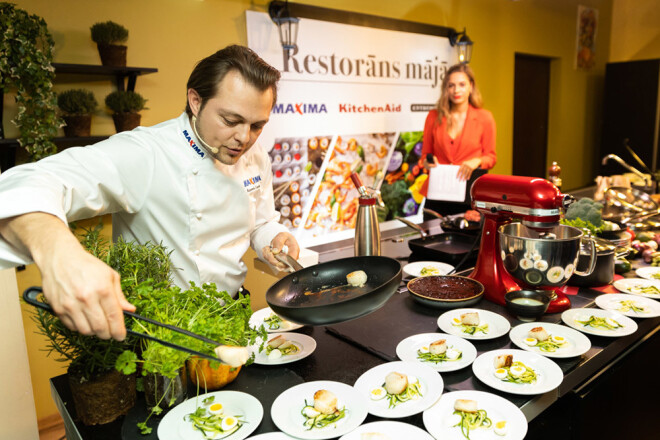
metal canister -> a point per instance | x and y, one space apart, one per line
367 230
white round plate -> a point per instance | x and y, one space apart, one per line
407 350
498 325
430 381
415 269
236 403
272 436
438 420
257 319
286 409
649 272
576 343
571 316
633 286
612 301
306 346
548 374
388 430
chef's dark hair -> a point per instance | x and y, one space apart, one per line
210 71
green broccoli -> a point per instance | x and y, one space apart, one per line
585 214
394 196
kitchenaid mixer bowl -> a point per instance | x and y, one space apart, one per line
538 258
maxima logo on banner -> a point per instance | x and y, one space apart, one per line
300 108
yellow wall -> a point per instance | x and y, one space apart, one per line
172 35
635 30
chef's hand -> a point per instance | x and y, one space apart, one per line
282 239
84 292
466 168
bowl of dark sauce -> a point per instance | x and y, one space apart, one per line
446 291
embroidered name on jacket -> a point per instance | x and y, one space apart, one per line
252 184
192 144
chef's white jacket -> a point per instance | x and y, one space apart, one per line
160 186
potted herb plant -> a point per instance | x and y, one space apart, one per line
25 66
125 106
101 393
108 37
77 106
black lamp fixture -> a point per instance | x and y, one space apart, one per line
286 24
464 46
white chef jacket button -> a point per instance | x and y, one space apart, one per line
197 252
195 170
198 215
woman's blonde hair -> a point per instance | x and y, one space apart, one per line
444 105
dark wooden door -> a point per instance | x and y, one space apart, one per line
531 98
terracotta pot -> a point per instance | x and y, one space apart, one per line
104 398
77 125
126 121
201 373
112 55
165 392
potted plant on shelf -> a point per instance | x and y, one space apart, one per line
25 66
108 36
77 106
125 106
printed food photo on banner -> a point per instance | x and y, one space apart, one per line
296 163
336 202
405 176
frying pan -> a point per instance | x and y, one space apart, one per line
319 294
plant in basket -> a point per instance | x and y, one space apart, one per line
202 310
108 37
125 106
77 106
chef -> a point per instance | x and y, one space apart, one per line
197 183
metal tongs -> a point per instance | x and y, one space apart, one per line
287 260
31 296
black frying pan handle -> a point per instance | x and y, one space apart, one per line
30 296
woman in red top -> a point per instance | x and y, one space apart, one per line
459 132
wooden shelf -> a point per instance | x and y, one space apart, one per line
125 78
92 70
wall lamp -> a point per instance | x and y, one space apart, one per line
463 45
286 24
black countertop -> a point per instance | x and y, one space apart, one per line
347 350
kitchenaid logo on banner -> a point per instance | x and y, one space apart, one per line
428 71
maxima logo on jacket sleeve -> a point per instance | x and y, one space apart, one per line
192 144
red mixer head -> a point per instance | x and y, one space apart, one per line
536 201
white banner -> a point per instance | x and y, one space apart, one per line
350 96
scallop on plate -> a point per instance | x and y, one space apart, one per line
400 389
294 410
300 347
507 420
599 322
474 324
271 321
529 374
639 286
629 305
440 351
550 340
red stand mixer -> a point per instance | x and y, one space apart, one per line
537 203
